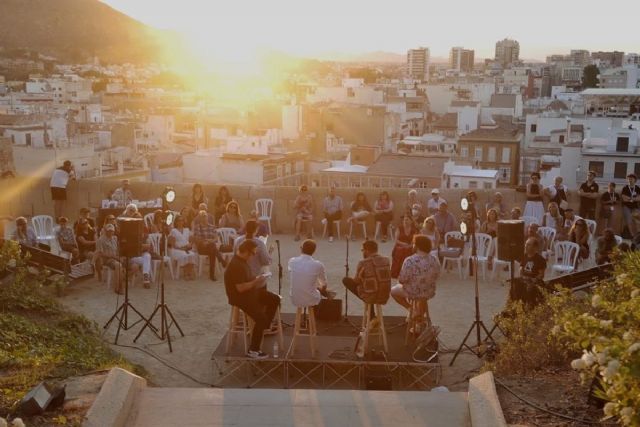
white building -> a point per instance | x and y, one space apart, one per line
507 52
465 177
625 77
65 89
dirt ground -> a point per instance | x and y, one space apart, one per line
201 309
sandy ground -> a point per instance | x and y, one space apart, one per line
201 309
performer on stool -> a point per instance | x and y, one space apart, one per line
308 278
249 293
372 282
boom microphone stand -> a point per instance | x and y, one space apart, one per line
477 324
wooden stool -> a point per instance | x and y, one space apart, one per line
414 319
311 330
277 320
369 329
239 323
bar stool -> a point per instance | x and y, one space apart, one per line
415 320
370 329
239 323
326 225
299 331
277 322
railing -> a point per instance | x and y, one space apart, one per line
347 180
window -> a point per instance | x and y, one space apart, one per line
27 137
561 139
598 168
491 155
622 144
534 127
487 185
464 152
636 169
473 184
478 153
504 175
620 170
506 154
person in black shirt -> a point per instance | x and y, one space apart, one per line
608 202
533 265
588 196
630 196
249 293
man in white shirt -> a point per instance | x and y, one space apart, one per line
433 204
123 194
59 180
332 210
307 278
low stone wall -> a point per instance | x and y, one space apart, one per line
32 196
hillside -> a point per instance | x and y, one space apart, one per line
76 30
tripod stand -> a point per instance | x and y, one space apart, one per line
122 312
162 308
477 323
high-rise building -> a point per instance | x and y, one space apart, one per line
608 59
580 57
418 63
507 52
461 59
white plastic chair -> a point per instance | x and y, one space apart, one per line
363 223
566 254
548 235
592 226
446 260
618 239
227 235
264 239
498 263
43 226
529 220
148 220
264 208
154 241
483 250
326 226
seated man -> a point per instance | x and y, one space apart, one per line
85 213
249 293
24 234
332 207
372 282
532 270
86 239
107 250
206 238
122 194
307 277
66 239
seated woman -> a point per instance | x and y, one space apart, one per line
181 247
158 222
360 210
383 212
303 207
580 234
24 234
232 218
188 214
66 239
404 245
430 230
416 215
552 217
490 226
86 240
606 243
220 203
417 279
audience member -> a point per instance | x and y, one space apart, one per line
534 206
552 218
588 192
579 234
532 233
559 193
417 279
533 265
516 213
232 218
490 225
307 278
416 215
249 293
85 213
404 244
332 210
59 180
129 211
412 201
383 212
123 194
445 221
303 207
609 202
180 242
262 258
110 219
430 230
360 210
66 238
263 230
188 214
569 219
205 238
24 234
198 197
372 282
220 203
433 204
158 223
109 254
498 204
605 245
143 262
86 240
630 197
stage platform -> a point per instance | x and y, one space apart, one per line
335 365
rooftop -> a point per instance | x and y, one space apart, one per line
501 100
448 120
404 165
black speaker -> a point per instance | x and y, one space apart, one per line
510 240
131 231
330 310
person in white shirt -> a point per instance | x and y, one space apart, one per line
307 277
433 204
332 209
59 180
122 194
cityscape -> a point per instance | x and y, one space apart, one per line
250 189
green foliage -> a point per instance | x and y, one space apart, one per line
590 76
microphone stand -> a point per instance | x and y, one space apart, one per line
280 278
345 319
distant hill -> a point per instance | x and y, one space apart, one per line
76 30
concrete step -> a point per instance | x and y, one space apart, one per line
164 407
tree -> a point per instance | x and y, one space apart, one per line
590 76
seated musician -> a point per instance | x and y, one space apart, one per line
372 282
107 250
307 277
249 293
24 234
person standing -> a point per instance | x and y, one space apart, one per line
198 197
558 193
59 180
630 197
249 294
588 192
332 209
433 204
534 206
307 277
608 203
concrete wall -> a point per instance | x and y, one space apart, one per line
24 196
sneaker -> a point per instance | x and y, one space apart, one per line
257 355
146 280
330 239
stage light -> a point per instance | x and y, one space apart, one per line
169 194
169 217
463 228
464 204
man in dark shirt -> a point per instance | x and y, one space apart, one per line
249 293
588 196
630 197
533 265
608 203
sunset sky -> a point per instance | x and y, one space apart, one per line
236 30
